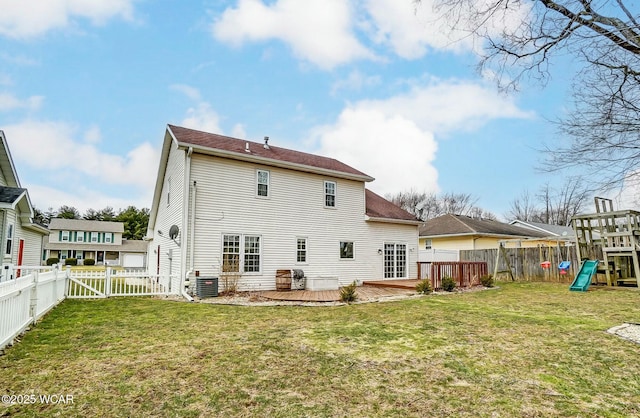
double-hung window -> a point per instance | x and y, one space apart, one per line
9 243
262 183
94 236
330 194
301 250
80 237
65 236
241 253
346 250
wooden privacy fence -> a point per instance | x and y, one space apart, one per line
464 273
526 264
25 300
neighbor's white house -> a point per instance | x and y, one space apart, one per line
100 241
261 208
22 239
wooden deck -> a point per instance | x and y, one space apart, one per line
365 292
397 284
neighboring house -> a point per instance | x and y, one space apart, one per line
457 232
252 208
22 239
100 241
550 230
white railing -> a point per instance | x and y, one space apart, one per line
115 282
25 300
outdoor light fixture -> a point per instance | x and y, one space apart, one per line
379 251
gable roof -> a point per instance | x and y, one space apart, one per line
225 146
6 163
460 225
550 230
61 224
380 209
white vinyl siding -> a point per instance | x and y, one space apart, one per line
293 211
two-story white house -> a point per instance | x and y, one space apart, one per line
221 203
100 241
22 239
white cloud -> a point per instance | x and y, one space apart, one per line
355 81
395 140
62 148
191 92
318 31
10 102
201 116
238 131
30 18
390 148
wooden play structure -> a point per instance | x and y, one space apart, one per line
612 238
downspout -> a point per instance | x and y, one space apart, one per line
191 241
184 274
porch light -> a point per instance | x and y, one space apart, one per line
379 251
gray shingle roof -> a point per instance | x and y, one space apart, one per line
450 224
60 224
10 194
555 230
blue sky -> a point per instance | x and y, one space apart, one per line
87 88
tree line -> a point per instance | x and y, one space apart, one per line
135 220
549 205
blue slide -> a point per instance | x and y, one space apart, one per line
583 280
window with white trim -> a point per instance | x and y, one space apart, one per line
80 236
9 243
79 254
346 250
301 250
262 183
65 235
427 244
241 253
94 236
107 238
330 194
64 254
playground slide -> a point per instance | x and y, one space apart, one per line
583 280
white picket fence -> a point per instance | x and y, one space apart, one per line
112 282
25 300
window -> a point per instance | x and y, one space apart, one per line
427 244
346 250
94 237
107 238
262 178
231 253
65 235
251 254
80 237
330 194
395 261
301 250
168 191
9 239
64 254
79 254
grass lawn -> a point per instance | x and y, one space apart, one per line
524 350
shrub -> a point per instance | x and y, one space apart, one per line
52 260
448 284
71 262
348 293
424 286
486 280
89 262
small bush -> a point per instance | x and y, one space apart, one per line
71 262
448 284
424 286
52 260
486 280
348 293
89 262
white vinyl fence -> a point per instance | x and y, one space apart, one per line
113 282
25 300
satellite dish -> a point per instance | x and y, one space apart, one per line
174 231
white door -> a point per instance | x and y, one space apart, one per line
395 261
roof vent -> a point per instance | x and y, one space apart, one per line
266 142
246 148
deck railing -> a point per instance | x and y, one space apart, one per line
464 273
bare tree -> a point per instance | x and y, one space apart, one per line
427 206
602 132
523 208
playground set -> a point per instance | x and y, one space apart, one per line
608 243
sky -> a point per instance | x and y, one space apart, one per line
87 89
